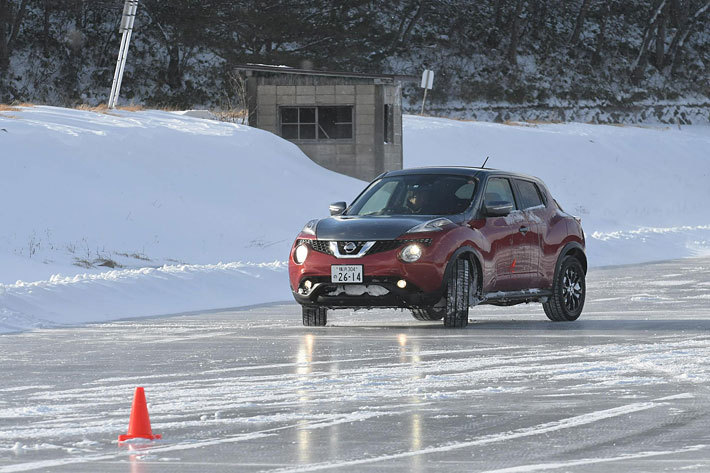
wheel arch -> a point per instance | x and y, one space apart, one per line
473 256
575 250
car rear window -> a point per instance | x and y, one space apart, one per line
529 194
498 190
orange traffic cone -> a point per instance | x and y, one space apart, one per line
139 423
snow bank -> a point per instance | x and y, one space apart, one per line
137 189
643 193
125 214
86 192
139 292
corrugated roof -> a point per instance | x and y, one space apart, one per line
314 72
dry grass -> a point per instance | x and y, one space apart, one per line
131 108
103 108
516 123
531 123
90 108
8 108
461 119
231 116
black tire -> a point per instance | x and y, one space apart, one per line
314 316
458 288
428 314
568 292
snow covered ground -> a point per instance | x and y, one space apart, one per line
127 214
624 388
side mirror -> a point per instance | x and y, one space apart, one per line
337 208
498 208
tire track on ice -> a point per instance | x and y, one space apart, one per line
567 423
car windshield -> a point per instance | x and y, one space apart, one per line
416 194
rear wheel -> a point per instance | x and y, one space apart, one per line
458 290
314 316
568 292
428 314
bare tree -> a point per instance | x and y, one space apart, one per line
638 64
10 23
515 33
682 34
579 23
604 13
408 22
235 108
661 37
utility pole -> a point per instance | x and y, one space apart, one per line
129 16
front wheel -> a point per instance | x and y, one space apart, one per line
458 289
314 316
568 292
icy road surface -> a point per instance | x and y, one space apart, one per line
626 388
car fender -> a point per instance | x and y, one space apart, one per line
473 255
567 249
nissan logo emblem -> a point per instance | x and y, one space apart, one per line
349 247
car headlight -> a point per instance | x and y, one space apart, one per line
300 254
411 253
435 225
310 227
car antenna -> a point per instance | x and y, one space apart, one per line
484 162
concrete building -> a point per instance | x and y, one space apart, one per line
347 122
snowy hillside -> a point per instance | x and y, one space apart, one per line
128 214
85 193
139 189
643 193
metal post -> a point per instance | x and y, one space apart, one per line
126 29
427 83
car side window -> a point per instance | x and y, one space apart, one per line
498 189
529 194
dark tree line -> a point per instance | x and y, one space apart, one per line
64 51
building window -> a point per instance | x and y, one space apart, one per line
388 122
321 123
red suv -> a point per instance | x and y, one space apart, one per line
439 240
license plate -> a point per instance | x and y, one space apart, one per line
346 273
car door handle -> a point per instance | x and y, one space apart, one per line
524 230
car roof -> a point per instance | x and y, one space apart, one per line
457 170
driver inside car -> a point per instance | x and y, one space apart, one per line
417 199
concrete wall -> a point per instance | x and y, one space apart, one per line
365 155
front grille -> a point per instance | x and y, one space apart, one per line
323 246
353 251
385 245
422 241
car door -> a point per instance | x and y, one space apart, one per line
501 234
533 210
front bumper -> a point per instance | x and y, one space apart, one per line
369 294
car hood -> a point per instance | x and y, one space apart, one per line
366 228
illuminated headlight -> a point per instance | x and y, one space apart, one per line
301 253
411 253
